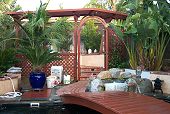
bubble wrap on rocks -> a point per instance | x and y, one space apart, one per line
115 72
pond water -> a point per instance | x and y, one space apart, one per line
65 109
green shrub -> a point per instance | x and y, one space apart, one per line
91 35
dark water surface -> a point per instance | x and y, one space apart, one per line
65 109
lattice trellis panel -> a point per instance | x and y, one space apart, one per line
116 44
68 62
25 65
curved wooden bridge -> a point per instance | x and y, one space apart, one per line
112 102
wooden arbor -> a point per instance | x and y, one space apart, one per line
82 22
103 16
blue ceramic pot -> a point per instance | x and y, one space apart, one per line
37 80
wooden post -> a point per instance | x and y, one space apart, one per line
75 47
107 49
17 30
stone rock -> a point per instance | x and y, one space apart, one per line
132 85
104 75
115 72
95 85
145 85
125 74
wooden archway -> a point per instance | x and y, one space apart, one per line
103 16
82 22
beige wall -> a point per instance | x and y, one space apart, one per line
92 60
165 78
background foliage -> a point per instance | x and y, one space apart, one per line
62 34
91 35
117 58
7 36
146 32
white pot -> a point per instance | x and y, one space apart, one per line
51 81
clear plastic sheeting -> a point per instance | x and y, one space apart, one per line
14 70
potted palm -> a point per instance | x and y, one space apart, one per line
34 45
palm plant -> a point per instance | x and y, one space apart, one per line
61 34
34 45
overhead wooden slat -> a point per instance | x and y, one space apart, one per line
105 14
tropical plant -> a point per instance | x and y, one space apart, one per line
117 59
7 59
8 5
7 49
34 45
62 34
6 32
146 32
91 35
7 39
118 54
103 4
94 4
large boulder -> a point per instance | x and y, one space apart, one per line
125 74
104 75
145 85
115 72
139 85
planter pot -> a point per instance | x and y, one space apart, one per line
37 80
6 84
